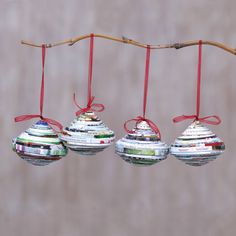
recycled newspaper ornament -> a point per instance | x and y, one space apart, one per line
39 145
87 134
142 145
198 145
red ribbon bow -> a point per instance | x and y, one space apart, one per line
29 117
48 120
139 119
97 107
90 106
213 120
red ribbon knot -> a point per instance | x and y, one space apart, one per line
139 119
212 120
96 107
48 120
29 117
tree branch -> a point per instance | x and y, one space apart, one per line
126 40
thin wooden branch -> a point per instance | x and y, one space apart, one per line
126 40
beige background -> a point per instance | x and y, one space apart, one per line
103 195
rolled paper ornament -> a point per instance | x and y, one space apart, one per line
142 146
87 134
197 145
39 145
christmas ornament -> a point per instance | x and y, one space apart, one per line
39 145
87 134
142 145
198 145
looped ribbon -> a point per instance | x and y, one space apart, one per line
212 120
139 119
29 117
97 107
48 120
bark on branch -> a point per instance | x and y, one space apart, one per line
126 40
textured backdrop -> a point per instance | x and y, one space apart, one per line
103 195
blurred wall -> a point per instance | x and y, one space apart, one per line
103 195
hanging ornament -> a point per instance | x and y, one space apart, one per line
87 134
39 145
142 145
198 145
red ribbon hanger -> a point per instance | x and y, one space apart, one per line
139 119
97 107
213 120
29 117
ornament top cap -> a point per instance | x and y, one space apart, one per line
143 125
90 115
87 113
41 122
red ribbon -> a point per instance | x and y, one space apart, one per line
97 107
29 117
90 106
213 120
139 119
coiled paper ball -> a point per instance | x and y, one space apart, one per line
87 135
197 145
39 145
142 147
